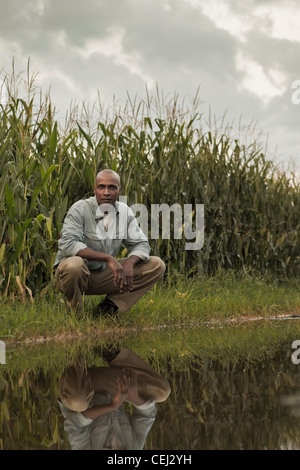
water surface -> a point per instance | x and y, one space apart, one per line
233 387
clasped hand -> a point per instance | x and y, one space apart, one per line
127 389
123 274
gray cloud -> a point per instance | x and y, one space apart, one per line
116 45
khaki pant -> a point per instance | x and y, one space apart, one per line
78 385
73 279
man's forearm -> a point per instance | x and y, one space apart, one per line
96 411
88 253
133 260
94 255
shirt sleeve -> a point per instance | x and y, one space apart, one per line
142 420
77 428
72 235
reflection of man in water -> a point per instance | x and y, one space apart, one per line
91 402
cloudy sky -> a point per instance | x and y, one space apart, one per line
243 57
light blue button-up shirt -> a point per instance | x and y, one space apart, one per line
87 225
113 430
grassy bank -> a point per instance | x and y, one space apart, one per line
222 297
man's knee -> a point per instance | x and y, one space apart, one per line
73 266
157 265
72 273
164 391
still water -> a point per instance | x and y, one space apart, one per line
209 388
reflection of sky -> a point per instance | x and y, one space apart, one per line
243 55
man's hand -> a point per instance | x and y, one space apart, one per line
121 394
118 271
128 389
123 273
115 403
127 284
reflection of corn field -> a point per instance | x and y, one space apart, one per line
229 407
252 211
226 388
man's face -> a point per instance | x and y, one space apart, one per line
107 188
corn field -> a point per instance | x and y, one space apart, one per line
163 155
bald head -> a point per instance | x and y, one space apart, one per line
107 172
107 187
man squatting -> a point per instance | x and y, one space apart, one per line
86 259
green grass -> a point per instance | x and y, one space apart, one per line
184 302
